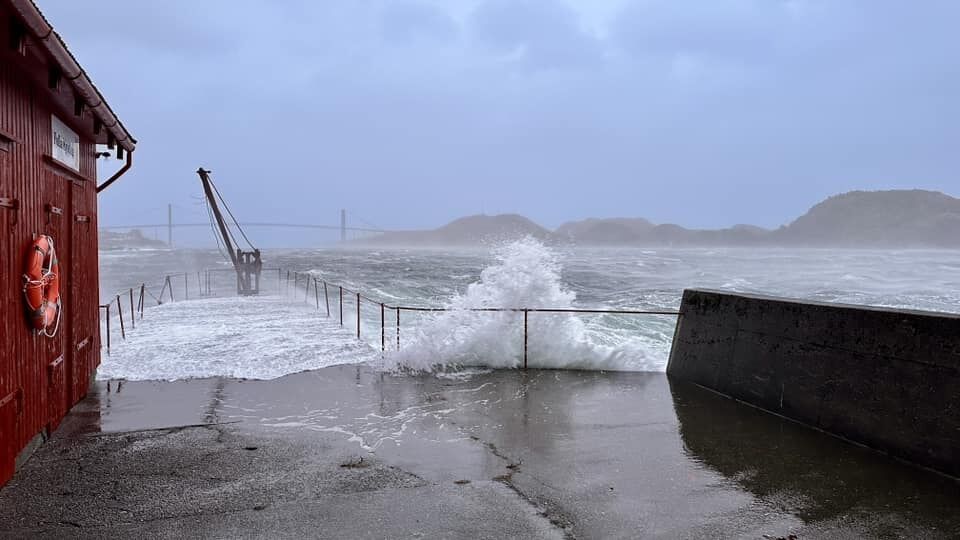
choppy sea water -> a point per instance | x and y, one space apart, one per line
284 331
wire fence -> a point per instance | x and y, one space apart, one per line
289 284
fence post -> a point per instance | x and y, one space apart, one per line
123 332
341 305
286 289
199 283
133 313
383 328
316 293
326 298
107 311
143 287
162 290
306 287
398 328
358 315
170 287
186 286
525 313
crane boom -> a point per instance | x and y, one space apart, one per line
246 263
215 208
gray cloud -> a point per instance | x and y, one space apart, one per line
415 112
144 26
543 33
735 29
407 22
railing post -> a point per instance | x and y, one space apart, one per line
383 328
107 311
358 315
123 332
398 328
286 289
143 287
199 283
316 293
133 313
341 305
186 286
326 298
162 290
306 287
170 287
525 313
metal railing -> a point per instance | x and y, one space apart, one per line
289 283
203 286
397 309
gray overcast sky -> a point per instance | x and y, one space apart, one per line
410 113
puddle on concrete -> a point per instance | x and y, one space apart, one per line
607 453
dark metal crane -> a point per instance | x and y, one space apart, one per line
247 263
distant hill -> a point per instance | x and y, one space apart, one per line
604 231
471 230
898 218
878 218
640 232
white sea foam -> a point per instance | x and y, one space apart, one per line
248 337
525 274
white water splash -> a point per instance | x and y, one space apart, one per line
526 274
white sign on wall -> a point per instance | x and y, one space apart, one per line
66 144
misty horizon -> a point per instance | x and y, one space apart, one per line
871 219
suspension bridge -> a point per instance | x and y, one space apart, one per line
344 229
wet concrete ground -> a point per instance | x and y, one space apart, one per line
345 452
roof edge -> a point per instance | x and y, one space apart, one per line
57 48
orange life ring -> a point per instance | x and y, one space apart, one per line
41 287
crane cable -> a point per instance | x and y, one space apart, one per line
237 223
213 229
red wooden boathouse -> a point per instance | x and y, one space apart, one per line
51 120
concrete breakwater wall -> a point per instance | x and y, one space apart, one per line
886 378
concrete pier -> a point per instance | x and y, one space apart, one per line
346 452
886 378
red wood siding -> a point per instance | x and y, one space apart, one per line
40 377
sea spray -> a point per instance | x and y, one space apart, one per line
266 337
525 274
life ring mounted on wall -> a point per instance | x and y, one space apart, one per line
41 287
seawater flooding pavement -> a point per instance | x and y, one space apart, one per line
350 452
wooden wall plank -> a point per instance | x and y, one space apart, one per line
48 376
